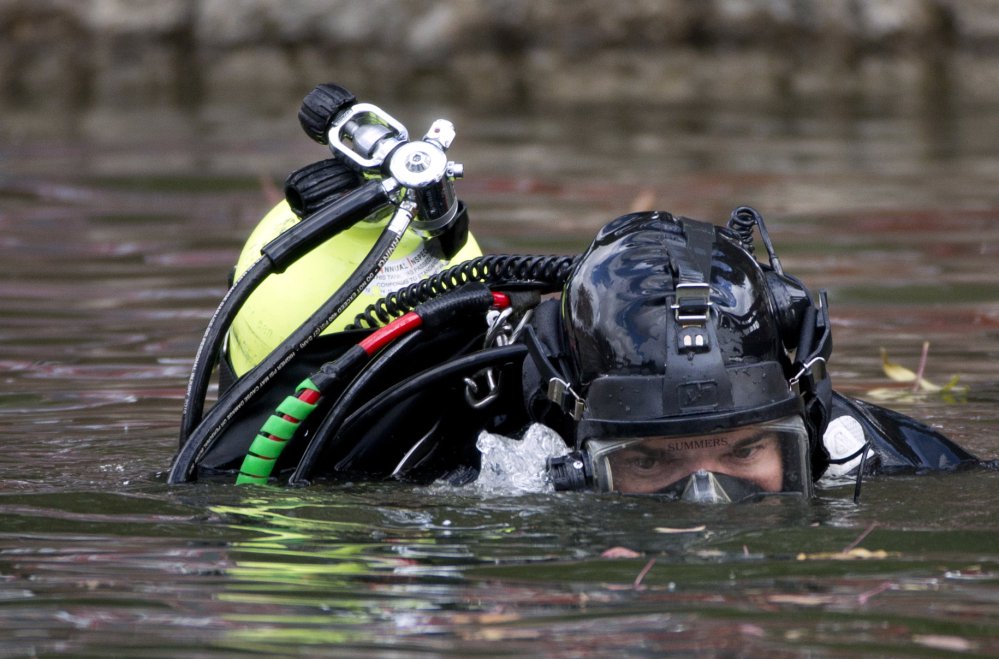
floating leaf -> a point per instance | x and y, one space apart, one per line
895 371
858 553
946 643
668 529
891 394
950 392
899 373
952 389
952 383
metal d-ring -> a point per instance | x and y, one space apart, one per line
493 382
500 333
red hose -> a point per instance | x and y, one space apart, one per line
407 323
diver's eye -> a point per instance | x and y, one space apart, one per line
745 452
640 462
752 450
643 463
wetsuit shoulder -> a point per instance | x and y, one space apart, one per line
897 442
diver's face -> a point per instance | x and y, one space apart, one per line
750 454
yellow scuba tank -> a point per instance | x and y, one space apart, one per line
283 301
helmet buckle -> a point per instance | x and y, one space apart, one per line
691 303
561 393
691 307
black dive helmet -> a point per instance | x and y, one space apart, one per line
673 328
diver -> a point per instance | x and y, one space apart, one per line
676 348
666 359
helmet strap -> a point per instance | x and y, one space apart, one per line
559 388
694 364
691 259
811 379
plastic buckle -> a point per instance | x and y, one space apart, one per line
559 392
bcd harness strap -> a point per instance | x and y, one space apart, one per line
692 260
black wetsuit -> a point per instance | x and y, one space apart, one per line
894 441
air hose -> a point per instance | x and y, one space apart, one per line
432 315
542 273
261 458
359 387
275 433
375 408
460 366
211 343
248 387
279 428
276 256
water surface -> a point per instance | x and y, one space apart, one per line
117 231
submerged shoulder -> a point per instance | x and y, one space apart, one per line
893 441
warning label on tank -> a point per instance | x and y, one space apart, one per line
400 272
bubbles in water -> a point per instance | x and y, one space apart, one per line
517 466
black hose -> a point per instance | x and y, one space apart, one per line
211 344
341 408
277 255
436 318
345 404
743 221
468 364
253 382
860 472
545 273
376 406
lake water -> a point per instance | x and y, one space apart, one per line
118 227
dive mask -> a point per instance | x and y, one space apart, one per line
728 466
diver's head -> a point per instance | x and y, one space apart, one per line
682 357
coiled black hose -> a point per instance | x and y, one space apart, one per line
544 273
743 221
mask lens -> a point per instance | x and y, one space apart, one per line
726 466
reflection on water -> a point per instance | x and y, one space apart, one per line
117 231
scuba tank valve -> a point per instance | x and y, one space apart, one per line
365 134
371 141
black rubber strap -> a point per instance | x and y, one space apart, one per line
558 387
692 256
537 352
